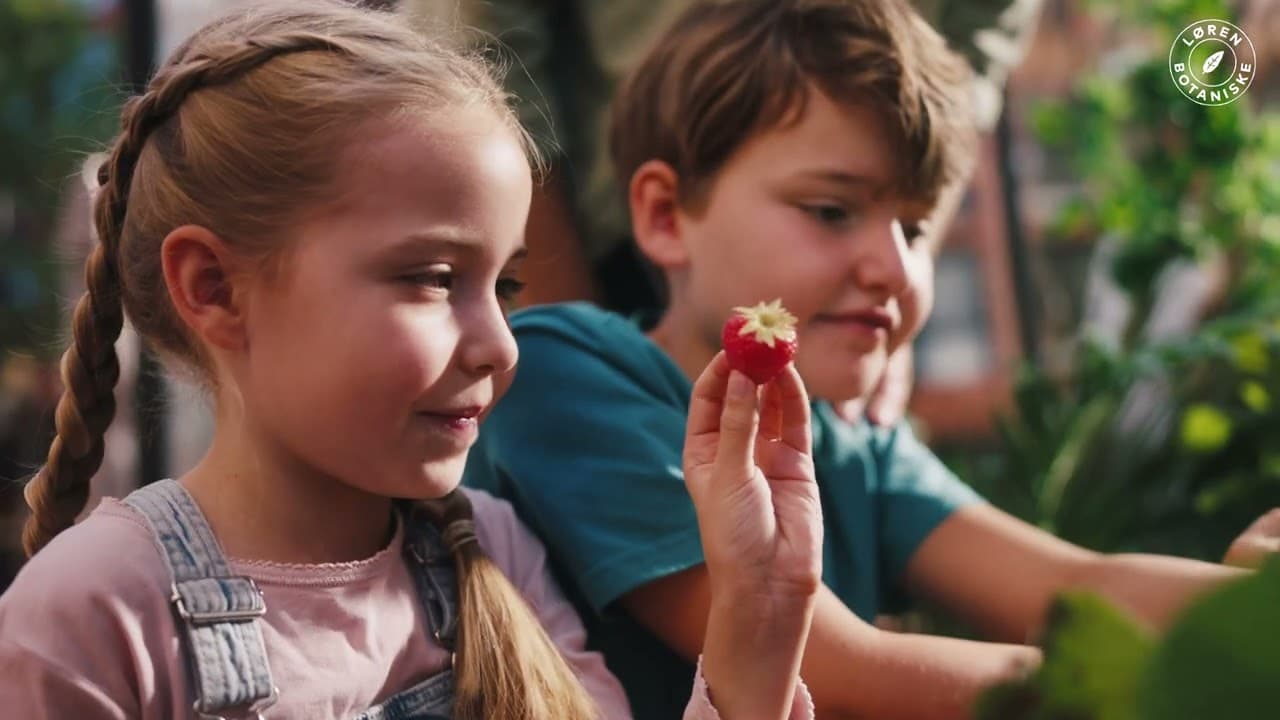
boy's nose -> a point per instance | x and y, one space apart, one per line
488 346
880 265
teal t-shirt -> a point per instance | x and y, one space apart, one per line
587 446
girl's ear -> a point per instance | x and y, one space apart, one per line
202 280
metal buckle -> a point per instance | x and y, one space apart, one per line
212 618
254 711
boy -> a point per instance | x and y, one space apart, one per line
792 149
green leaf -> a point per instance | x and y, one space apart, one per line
1211 63
1250 353
1094 658
1205 428
1255 396
1221 659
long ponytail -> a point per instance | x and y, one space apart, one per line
506 666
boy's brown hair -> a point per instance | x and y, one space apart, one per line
729 69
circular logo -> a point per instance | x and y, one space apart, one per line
1212 62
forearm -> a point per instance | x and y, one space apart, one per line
752 673
1153 587
852 670
918 677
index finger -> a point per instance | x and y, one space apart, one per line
706 403
793 400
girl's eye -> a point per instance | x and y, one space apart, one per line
509 289
828 214
432 279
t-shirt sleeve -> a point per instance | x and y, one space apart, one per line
35 686
916 493
590 451
86 630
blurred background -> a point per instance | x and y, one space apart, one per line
1104 356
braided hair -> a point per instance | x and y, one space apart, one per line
236 133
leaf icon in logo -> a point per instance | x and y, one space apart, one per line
1211 63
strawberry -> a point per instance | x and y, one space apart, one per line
760 340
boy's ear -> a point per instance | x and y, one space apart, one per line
655 216
200 276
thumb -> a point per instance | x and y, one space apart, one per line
738 423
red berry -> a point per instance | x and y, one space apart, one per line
760 340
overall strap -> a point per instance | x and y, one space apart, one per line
219 610
434 573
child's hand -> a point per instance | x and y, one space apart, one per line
1259 541
751 477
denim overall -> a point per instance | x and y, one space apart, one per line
219 613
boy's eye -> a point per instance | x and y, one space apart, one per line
912 232
509 289
828 214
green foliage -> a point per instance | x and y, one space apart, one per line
57 102
1160 447
1165 177
1220 659
1182 476
1094 656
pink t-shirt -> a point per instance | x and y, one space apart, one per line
87 631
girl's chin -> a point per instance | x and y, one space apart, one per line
428 481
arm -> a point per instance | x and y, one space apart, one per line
565 629
85 631
1001 574
851 668
750 473
606 470
36 687
759 519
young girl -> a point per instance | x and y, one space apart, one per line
319 214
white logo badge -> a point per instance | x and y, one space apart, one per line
1212 62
